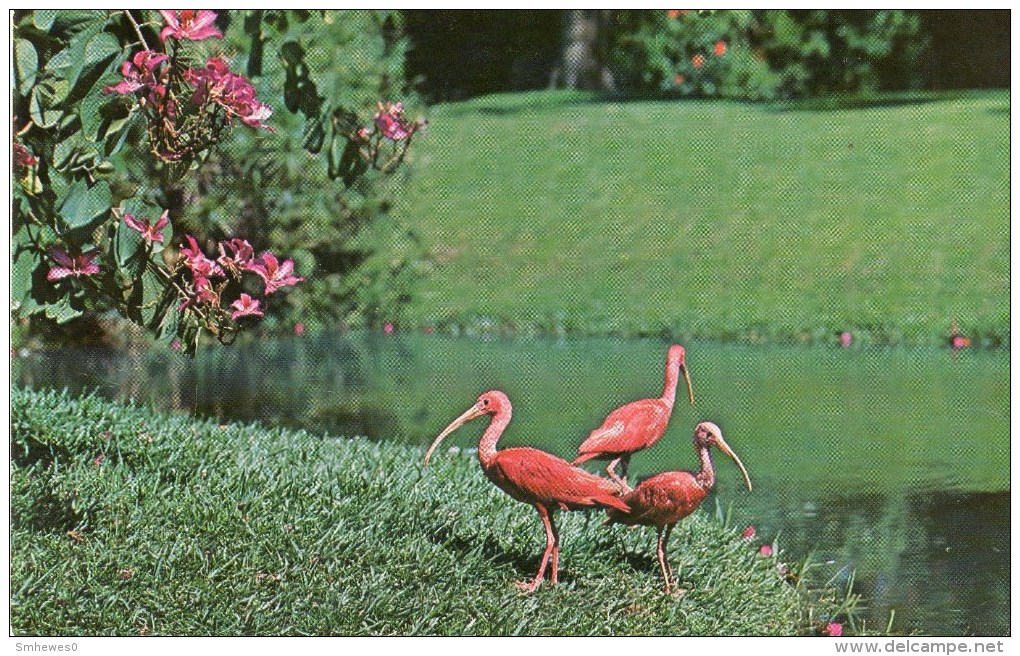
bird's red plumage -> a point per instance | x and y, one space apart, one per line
661 500
627 429
534 476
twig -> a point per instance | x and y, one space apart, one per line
210 326
138 30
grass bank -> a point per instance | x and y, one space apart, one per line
557 212
127 523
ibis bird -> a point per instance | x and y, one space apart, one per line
664 499
637 425
534 477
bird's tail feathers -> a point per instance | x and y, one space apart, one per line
613 501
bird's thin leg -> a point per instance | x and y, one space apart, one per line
661 549
550 543
556 549
665 553
624 461
611 470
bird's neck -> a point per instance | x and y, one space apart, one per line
669 389
487 445
705 477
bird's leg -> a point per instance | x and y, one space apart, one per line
550 544
556 549
661 549
611 470
677 590
624 461
665 540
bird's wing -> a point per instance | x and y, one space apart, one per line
535 476
602 437
662 499
628 428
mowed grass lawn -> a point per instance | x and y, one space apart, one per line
125 522
560 212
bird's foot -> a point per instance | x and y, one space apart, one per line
528 586
677 592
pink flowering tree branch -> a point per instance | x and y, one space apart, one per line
97 93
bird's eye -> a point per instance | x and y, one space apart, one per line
485 401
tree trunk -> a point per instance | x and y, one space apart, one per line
584 51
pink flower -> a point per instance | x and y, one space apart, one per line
958 342
72 265
846 338
246 306
678 79
429 330
748 533
189 24
196 260
698 60
766 550
387 328
175 345
299 329
720 48
140 72
98 460
834 629
275 274
241 256
234 93
21 157
202 292
150 232
390 121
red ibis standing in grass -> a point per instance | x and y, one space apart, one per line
534 477
666 498
637 425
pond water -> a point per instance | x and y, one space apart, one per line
892 464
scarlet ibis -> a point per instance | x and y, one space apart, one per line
534 477
637 425
666 498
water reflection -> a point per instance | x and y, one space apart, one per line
893 464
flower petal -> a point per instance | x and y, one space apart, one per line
60 256
56 273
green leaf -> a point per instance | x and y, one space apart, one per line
84 205
25 263
62 153
60 61
43 18
39 106
153 310
100 48
61 311
76 20
99 53
77 52
26 65
129 247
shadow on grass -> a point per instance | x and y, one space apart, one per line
872 101
493 552
509 104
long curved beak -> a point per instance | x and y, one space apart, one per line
470 414
725 448
687 377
